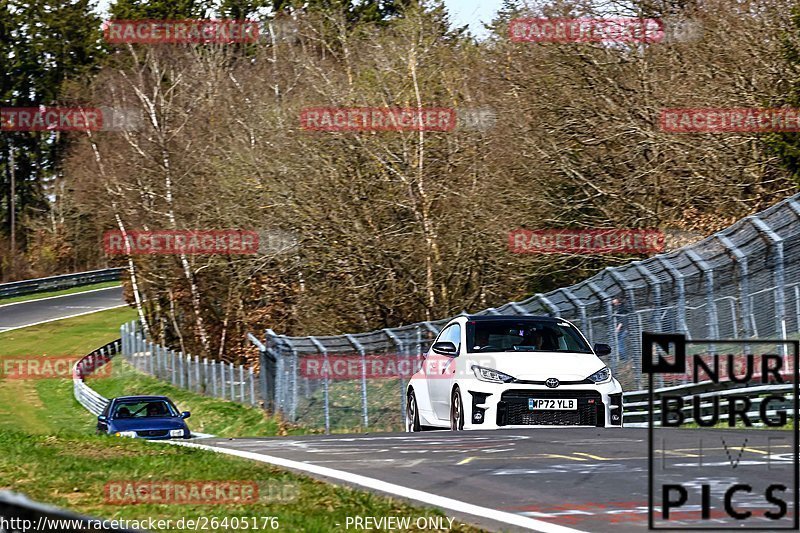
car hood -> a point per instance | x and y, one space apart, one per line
538 366
141 424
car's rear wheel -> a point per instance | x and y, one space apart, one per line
456 411
412 413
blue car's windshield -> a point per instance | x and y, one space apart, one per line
524 335
144 409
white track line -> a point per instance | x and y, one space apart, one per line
396 490
5 330
59 296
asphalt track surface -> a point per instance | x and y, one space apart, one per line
21 314
582 478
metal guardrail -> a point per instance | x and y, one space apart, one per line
65 281
86 396
18 513
635 403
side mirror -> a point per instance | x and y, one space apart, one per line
602 349
186 414
445 348
102 418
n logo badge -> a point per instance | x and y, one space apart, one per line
663 366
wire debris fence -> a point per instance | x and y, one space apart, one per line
742 282
218 379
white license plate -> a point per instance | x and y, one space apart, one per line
559 404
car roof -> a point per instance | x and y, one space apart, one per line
141 398
498 318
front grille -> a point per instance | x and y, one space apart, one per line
512 410
153 433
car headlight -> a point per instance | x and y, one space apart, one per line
176 433
131 434
488 374
601 376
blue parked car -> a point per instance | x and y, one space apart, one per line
143 417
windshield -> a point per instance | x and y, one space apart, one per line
524 335
140 409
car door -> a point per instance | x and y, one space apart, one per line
440 381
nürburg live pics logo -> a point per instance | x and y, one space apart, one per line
722 433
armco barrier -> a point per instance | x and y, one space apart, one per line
54 283
86 396
635 403
18 513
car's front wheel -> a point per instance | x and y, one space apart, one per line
456 411
412 413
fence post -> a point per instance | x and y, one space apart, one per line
778 277
205 376
745 300
148 363
252 387
631 339
165 364
400 349
189 372
326 408
262 373
612 323
580 306
269 371
181 377
655 283
232 380
358 346
708 274
554 310
295 361
241 383
214 379
676 275
197 373
122 335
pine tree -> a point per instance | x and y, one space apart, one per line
46 45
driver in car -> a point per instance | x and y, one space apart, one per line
532 339
155 409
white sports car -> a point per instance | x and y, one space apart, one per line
490 372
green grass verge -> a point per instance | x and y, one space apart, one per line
75 336
48 450
73 290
